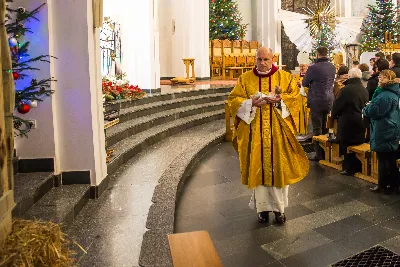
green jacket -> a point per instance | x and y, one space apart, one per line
384 112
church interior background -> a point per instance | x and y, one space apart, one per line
115 137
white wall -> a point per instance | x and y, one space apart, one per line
40 143
246 9
190 37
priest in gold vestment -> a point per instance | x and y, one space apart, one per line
263 105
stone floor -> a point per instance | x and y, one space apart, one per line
330 217
111 228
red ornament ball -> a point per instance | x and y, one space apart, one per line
23 108
15 75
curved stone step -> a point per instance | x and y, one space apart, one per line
123 104
161 106
126 129
129 147
121 213
161 217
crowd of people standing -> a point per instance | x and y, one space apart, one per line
365 100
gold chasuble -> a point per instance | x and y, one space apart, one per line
269 153
304 114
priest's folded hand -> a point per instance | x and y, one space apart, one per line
258 101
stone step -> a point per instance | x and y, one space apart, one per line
161 106
29 188
121 213
129 147
161 217
123 104
60 205
124 130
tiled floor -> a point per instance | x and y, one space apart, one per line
330 217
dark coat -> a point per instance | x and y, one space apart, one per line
319 79
396 69
384 112
347 108
372 84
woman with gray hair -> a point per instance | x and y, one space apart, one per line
347 109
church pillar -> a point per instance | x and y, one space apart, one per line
187 24
268 26
77 101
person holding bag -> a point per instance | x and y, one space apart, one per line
384 113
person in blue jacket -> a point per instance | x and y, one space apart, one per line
384 113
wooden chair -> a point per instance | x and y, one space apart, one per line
228 63
216 59
237 47
193 249
253 47
245 47
226 47
250 61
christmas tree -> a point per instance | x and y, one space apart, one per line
26 96
226 20
325 37
383 17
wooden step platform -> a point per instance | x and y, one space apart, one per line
194 249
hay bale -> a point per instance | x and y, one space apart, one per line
36 243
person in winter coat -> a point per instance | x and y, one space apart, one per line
366 74
347 109
384 113
342 75
380 65
396 64
319 79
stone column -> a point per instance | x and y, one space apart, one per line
77 102
185 34
268 25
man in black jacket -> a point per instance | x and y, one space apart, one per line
319 79
396 63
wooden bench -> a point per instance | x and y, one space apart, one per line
331 160
363 154
193 249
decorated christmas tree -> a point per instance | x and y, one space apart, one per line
27 94
383 17
226 20
325 37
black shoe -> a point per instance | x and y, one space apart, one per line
347 173
396 190
280 217
263 216
376 189
313 158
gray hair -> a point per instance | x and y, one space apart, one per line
355 73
